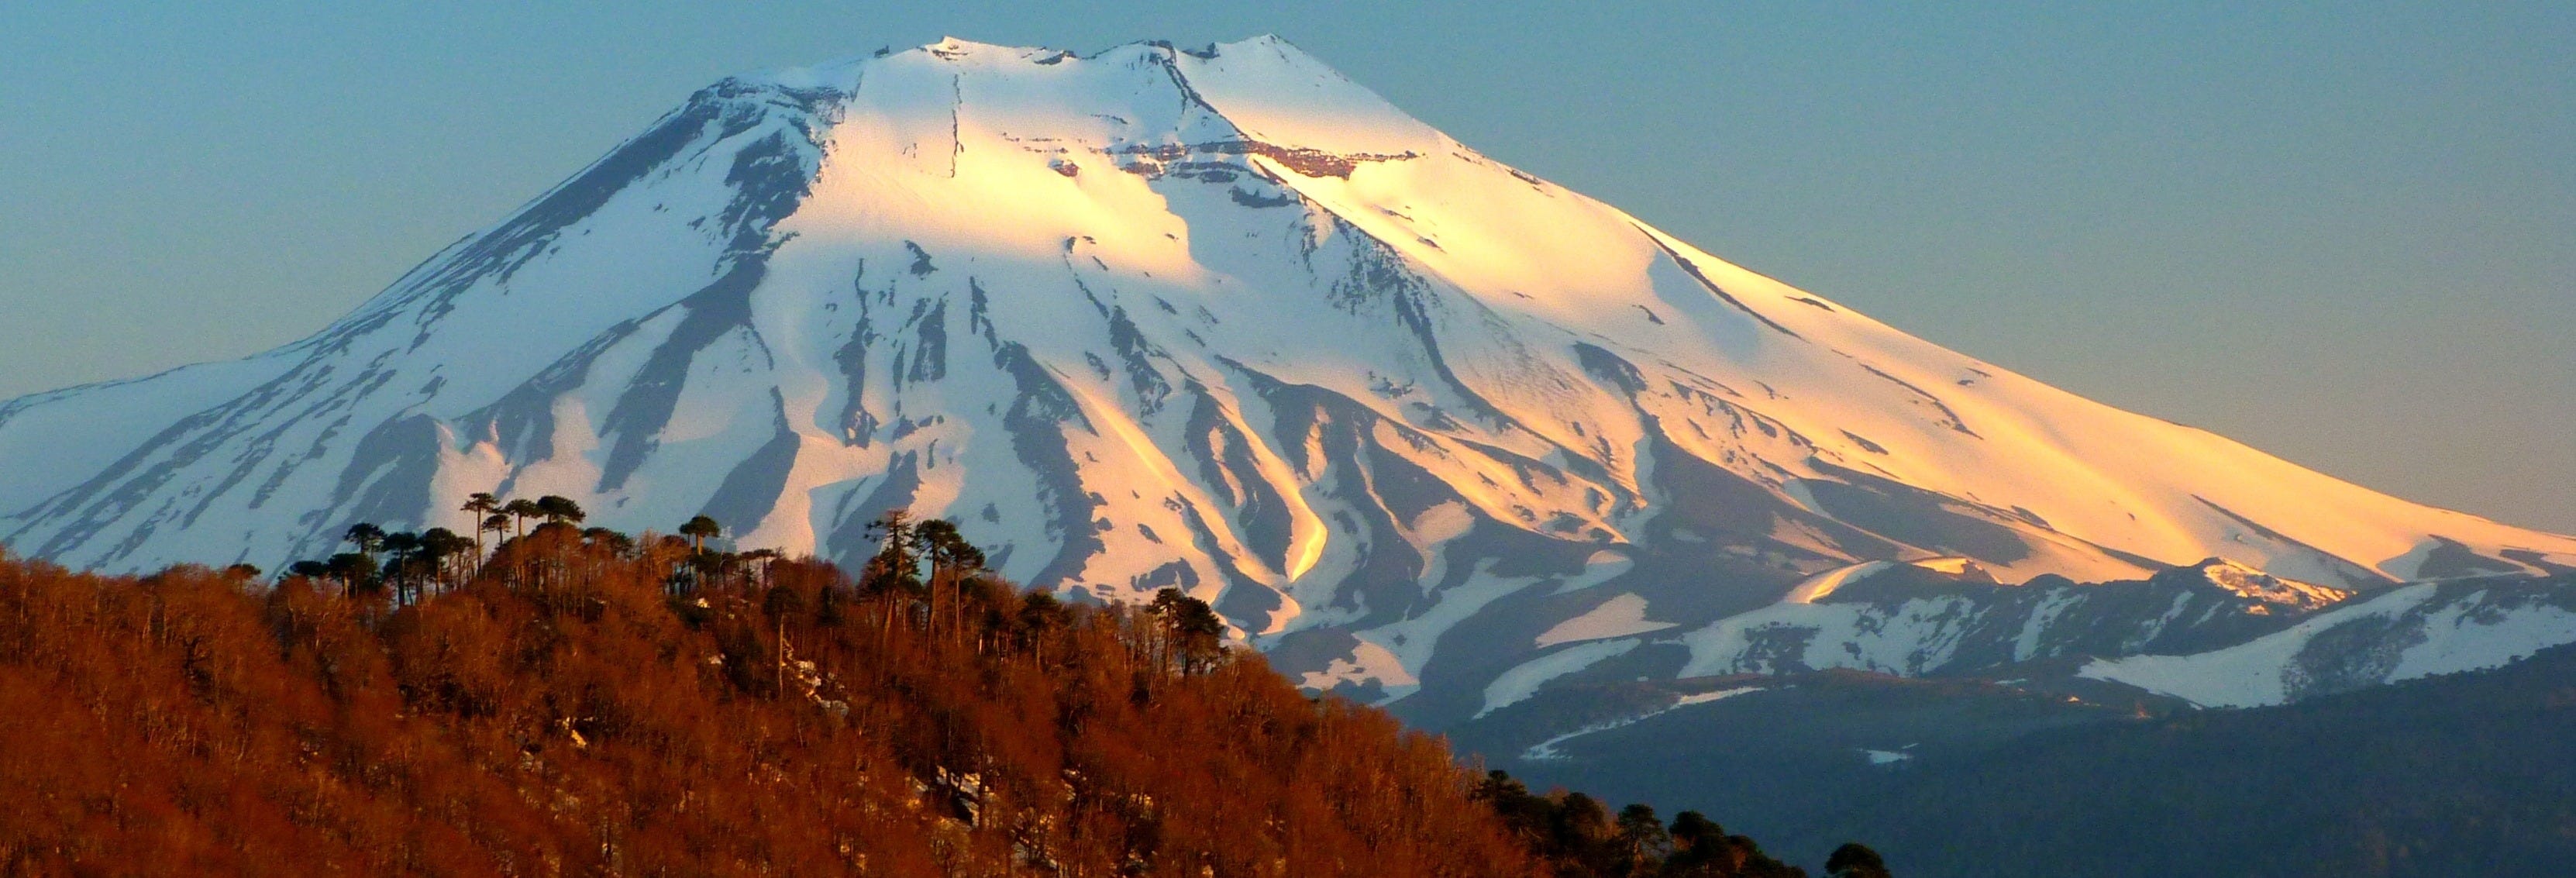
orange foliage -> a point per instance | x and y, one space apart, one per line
573 709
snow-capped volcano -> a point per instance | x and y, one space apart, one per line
1217 319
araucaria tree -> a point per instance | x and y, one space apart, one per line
479 508
600 725
699 530
519 511
569 706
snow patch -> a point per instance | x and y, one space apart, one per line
1367 663
1521 682
1620 616
1885 757
1546 750
2257 585
1817 587
2460 634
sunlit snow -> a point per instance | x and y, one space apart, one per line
1216 320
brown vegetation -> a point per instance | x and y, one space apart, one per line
584 703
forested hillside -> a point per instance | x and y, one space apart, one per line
587 703
2466 774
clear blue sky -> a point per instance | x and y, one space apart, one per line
2344 234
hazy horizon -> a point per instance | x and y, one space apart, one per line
2341 239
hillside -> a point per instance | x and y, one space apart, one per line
2468 774
586 703
2455 774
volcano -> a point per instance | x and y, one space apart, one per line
1216 319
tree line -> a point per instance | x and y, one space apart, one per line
578 700
1576 835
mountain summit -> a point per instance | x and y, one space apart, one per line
1217 319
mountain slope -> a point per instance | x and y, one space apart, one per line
762 722
2459 774
2189 638
1220 320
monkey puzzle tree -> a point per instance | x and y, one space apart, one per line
699 530
367 537
1192 633
951 558
558 509
497 523
479 507
1040 616
439 544
404 546
356 572
893 577
519 511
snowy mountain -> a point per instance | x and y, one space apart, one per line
2214 634
1912 621
1950 774
1217 319
2403 634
